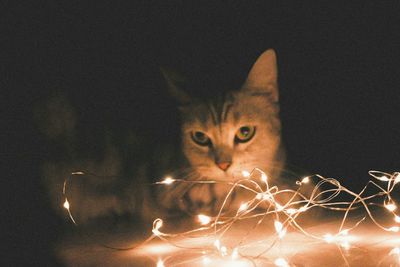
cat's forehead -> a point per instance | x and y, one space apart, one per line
231 108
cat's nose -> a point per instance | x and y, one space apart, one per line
223 165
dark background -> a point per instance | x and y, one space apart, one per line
339 83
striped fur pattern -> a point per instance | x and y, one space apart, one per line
254 105
121 185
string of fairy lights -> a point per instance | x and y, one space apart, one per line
264 204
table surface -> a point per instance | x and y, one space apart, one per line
369 246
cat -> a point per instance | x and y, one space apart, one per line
231 133
220 137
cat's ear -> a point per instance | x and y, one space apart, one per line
175 83
263 76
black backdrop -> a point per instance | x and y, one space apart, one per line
339 82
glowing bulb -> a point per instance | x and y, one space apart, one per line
395 251
344 232
279 229
329 238
203 219
224 251
281 262
397 219
235 254
291 211
264 177
217 244
391 207
156 232
168 180
302 209
345 245
305 180
156 226
245 174
394 229
279 207
160 263
282 233
268 196
397 178
263 196
206 260
158 223
383 178
66 204
243 207
278 226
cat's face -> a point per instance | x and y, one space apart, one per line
238 132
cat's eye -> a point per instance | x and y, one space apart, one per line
200 138
244 134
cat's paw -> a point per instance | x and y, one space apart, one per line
200 198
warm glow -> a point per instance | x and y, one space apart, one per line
203 219
281 262
395 251
284 217
384 178
344 232
345 245
391 207
329 238
156 226
158 223
78 173
224 251
279 207
245 173
397 178
206 260
305 180
282 233
278 226
279 229
264 177
235 254
243 207
66 204
263 196
158 249
160 263
217 244
291 211
302 209
168 180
